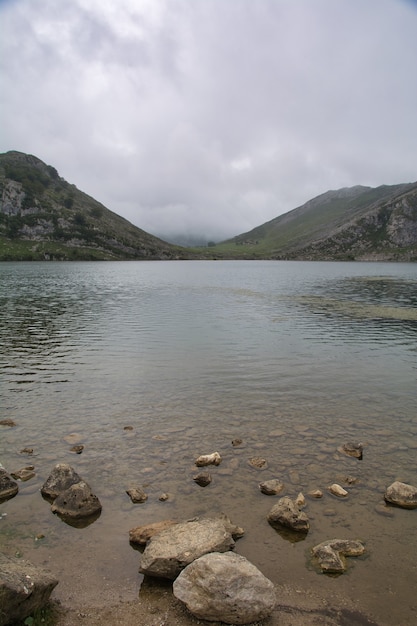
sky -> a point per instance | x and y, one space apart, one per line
210 117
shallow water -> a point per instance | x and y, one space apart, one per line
294 358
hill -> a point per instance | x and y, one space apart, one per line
356 223
44 217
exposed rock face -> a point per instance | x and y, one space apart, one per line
8 487
402 495
286 513
331 553
271 487
141 534
208 459
60 479
168 552
24 588
77 502
225 588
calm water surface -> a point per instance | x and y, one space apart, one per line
294 358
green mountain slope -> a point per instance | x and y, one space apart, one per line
44 217
351 223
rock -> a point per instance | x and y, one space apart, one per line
8 487
258 463
352 449
203 479
286 513
402 494
225 588
163 497
24 589
141 534
316 493
77 502
137 495
300 500
77 449
26 473
7 422
236 442
330 554
338 491
169 551
62 477
208 459
127 427
26 451
271 487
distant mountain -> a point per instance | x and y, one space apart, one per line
44 217
356 223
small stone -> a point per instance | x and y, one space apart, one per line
23 474
300 501
402 495
7 422
77 502
208 459
27 451
338 491
331 553
316 493
286 513
236 442
202 479
128 428
8 487
77 449
352 449
384 510
271 487
137 495
163 497
258 463
62 477
73 438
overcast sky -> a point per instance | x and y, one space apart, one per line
211 116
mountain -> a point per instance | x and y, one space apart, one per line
44 217
355 223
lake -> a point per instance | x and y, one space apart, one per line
150 364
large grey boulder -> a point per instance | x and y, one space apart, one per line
226 588
62 477
168 552
77 502
8 487
287 513
330 554
402 495
24 589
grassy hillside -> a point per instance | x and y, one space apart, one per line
44 217
352 223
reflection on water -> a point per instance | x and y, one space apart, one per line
295 359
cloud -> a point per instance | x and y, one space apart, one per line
211 117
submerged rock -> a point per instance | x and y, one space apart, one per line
287 513
137 495
225 588
8 487
208 459
316 493
7 422
402 495
352 449
258 463
271 487
62 477
26 473
24 589
203 479
330 554
169 551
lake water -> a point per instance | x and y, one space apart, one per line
294 358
